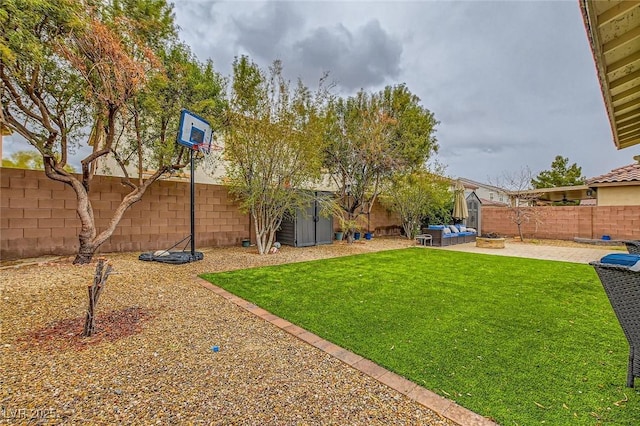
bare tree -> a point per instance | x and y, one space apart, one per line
522 200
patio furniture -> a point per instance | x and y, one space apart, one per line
444 235
633 246
423 238
620 277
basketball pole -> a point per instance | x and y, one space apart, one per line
193 209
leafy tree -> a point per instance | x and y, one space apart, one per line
24 160
28 160
415 196
369 138
155 112
271 140
68 66
561 174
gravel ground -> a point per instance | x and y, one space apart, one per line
151 361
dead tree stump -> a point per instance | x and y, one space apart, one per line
99 281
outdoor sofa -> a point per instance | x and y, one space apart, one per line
633 246
447 235
620 276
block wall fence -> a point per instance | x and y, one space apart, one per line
38 216
568 222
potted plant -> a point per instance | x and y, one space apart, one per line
339 235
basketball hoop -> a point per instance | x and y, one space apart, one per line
210 156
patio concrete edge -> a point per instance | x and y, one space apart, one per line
436 403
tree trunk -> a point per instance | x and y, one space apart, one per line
85 253
409 230
99 282
89 238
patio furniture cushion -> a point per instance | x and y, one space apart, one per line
453 229
446 231
631 261
436 227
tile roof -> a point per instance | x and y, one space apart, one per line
628 173
486 202
468 183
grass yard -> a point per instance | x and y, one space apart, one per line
521 341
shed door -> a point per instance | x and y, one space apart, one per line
324 227
305 227
473 220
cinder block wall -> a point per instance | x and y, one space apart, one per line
38 216
566 223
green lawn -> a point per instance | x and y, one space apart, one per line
521 341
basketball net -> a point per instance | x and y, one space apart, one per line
210 157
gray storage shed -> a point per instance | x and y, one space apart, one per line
307 227
474 205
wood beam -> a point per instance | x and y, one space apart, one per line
629 137
627 115
626 105
622 63
621 40
628 126
616 11
624 80
630 129
626 94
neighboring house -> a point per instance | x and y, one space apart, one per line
210 170
619 187
488 194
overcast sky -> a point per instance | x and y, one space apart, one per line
512 83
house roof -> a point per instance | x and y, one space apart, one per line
472 184
613 30
486 202
630 173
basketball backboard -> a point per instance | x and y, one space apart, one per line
194 132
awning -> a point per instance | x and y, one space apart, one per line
560 193
613 29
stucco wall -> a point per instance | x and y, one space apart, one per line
619 196
566 223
